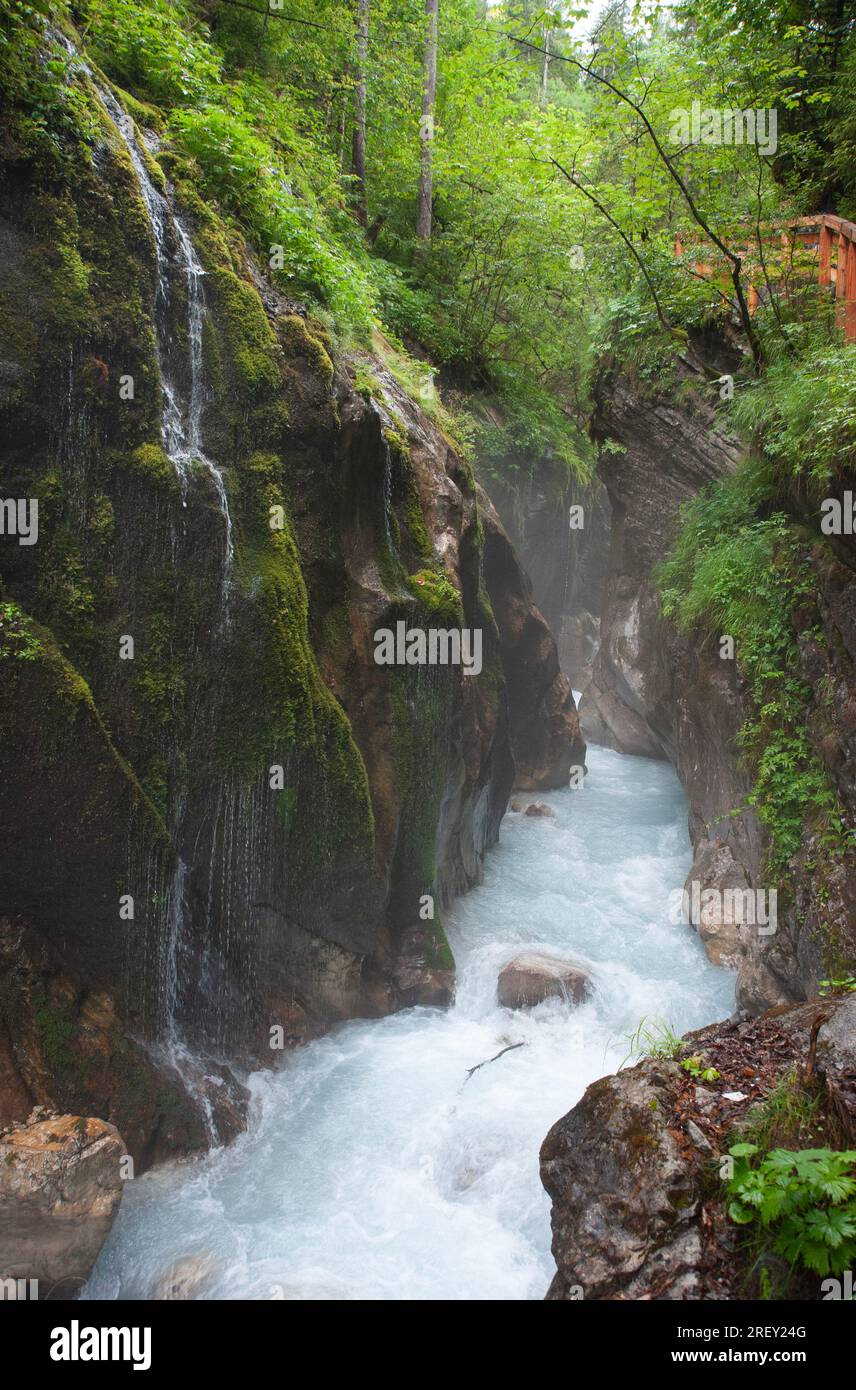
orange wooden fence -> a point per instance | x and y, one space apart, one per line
823 238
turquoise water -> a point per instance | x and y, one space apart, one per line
372 1168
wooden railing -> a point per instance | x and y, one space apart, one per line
820 245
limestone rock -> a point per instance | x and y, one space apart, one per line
60 1188
836 1060
532 977
623 1199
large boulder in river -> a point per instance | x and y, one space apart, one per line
60 1187
532 977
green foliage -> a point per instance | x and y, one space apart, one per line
847 985
241 166
695 1067
158 49
654 1038
18 640
805 1200
437 596
791 1116
733 573
802 411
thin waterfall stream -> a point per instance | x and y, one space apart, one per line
374 1167
181 419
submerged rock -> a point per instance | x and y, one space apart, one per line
540 808
532 977
60 1188
186 1279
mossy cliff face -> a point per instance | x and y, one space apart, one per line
287 817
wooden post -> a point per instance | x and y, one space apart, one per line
840 279
824 274
850 296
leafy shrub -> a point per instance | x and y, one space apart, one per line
803 411
734 573
804 1199
241 168
158 49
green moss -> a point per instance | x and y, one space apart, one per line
365 382
150 463
437 596
438 952
297 341
158 670
57 1031
142 112
59 268
253 352
464 477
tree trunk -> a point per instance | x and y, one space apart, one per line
426 126
343 115
545 67
359 148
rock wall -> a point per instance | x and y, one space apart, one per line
237 824
659 694
567 566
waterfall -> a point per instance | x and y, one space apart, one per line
181 419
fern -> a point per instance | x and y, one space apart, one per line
805 1199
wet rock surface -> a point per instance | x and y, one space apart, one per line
534 976
60 1188
623 1199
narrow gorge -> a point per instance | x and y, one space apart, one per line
502 966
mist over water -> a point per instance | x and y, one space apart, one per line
372 1167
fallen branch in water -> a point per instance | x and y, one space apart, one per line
511 1047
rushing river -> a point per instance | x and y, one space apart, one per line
373 1168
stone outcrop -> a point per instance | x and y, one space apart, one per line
633 1170
836 1063
623 1199
60 1188
534 976
567 564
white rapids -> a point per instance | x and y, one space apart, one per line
373 1169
